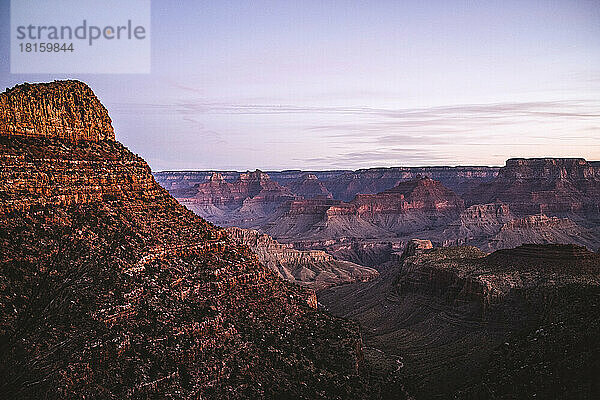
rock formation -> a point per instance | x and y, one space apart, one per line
551 186
111 289
463 324
345 185
527 201
408 207
309 186
374 180
246 202
312 268
63 109
493 226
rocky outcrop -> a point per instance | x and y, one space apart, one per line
312 268
417 246
493 226
541 229
309 186
453 318
371 253
476 222
111 289
551 186
408 207
247 202
63 109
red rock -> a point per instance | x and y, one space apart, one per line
408 207
312 268
109 288
551 186
246 202
64 109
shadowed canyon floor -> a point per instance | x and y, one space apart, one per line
519 323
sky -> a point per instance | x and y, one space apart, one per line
355 84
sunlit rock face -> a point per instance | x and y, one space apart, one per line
109 288
61 109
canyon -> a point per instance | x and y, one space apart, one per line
384 283
109 288
313 268
488 278
366 216
459 323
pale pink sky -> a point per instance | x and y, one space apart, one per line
353 84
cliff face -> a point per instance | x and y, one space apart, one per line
62 109
309 186
245 202
312 268
408 207
556 187
494 226
421 194
510 324
374 180
110 288
341 184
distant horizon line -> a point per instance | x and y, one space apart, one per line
267 170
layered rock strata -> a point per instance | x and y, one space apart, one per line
62 109
463 324
313 268
551 186
111 289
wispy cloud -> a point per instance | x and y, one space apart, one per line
364 136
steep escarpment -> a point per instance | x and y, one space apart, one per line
309 186
247 202
62 109
313 268
111 289
551 186
460 323
408 207
494 226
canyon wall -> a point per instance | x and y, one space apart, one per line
312 268
109 288
551 186
460 323
62 109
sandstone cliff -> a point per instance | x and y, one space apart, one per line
408 207
312 268
62 109
111 289
247 202
309 186
493 226
551 186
